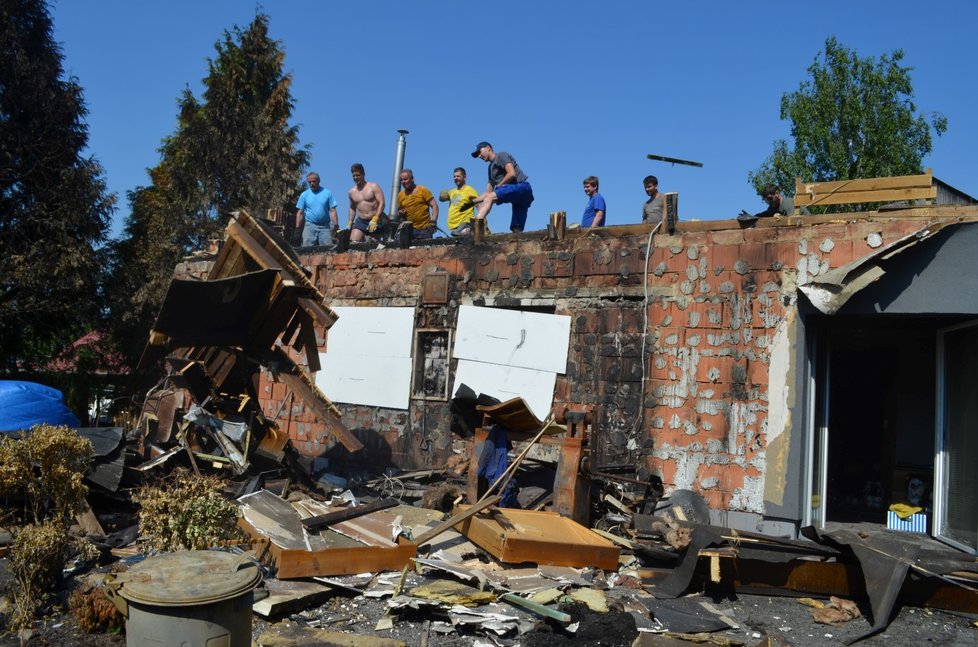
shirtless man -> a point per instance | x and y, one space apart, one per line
366 205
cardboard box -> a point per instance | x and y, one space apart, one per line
914 523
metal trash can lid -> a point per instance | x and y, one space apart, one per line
189 577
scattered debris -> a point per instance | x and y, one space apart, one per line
836 612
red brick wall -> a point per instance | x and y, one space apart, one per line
716 297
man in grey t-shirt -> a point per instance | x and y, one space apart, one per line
653 207
507 183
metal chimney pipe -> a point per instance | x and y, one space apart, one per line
398 166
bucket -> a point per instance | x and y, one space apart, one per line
197 597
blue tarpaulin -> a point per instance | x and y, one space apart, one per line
25 404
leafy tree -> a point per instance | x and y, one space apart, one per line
54 207
854 118
232 148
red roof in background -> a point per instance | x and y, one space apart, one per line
109 363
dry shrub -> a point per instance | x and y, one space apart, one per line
37 558
95 612
185 511
46 467
43 471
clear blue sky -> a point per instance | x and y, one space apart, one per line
569 88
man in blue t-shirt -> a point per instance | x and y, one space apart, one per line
316 214
595 210
507 183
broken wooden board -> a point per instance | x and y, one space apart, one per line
288 597
285 634
517 536
296 553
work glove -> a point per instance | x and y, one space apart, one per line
372 227
443 196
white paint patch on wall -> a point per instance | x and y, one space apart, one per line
778 414
749 498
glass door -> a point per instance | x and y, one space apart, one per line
955 474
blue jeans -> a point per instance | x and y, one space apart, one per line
520 195
316 235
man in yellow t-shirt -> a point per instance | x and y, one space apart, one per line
461 201
416 204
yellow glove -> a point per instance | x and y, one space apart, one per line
373 224
443 196
349 225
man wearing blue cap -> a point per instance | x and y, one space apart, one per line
507 183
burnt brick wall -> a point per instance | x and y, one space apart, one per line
718 299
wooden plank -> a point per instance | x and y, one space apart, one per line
252 247
517 536
309 346
925 179
457 519
322 315
860 197
289 596
906 187
298 380
615 539
292 563
324 520
290 329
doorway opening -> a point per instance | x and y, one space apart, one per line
876 398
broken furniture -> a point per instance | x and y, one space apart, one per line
296 552
546 538
571 487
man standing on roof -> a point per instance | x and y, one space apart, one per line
416 204
366 205
315 214
507 183
461 207
595 210
653 207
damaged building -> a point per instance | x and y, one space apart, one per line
799 371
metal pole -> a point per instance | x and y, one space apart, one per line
398 166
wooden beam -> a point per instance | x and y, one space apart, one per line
319 313
297 379
252 247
